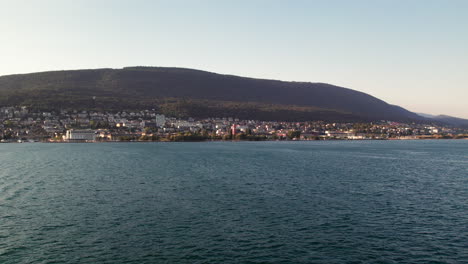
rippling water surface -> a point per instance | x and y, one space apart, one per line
214 202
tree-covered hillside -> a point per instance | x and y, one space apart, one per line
194 93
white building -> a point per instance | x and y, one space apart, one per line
339 134
80 135
160 120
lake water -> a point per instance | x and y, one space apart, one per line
235 202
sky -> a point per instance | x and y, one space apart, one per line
412 53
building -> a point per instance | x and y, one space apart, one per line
160 120
233 129
80 135
339 134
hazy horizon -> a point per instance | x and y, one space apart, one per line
411 54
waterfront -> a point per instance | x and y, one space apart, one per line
235 202
23 124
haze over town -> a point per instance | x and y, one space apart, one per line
408 53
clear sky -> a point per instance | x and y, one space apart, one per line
413 53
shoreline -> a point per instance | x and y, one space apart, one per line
195 141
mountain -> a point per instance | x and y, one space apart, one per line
426 115
449 120
197 93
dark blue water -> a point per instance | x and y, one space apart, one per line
266 202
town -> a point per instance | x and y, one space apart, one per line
20 124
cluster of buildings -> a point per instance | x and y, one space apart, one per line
23 124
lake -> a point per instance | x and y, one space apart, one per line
235 202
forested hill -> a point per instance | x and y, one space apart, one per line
195 93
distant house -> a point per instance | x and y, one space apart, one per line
148 124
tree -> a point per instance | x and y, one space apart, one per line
293 134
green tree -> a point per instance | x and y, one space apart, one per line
293 134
